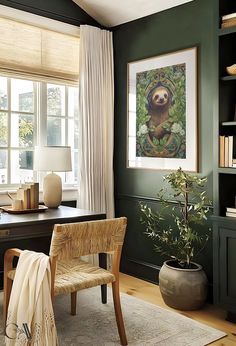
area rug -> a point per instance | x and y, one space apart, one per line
146 324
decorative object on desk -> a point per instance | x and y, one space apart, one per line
16 204
32 190
9 209
231 69
183 283
54 159
162 112
29 195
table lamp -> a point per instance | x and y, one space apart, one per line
54 159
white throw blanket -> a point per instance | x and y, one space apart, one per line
30 307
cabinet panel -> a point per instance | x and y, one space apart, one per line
224 265
231 260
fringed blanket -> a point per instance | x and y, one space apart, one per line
30 319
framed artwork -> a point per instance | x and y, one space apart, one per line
162 112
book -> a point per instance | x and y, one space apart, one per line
222 151
24 195
34 194
230 163
230 214
229 16
226 152
231 209
30 196
228 23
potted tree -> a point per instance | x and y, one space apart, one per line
183 283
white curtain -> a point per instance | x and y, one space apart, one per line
96 85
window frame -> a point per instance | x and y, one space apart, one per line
40 126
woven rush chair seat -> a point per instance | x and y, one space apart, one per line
75 275
69 273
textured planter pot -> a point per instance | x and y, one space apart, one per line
183 289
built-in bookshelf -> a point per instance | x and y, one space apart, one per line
227 106
224 220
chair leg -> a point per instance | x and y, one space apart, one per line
6 296
73 303
118 312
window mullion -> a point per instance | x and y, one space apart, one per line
36 120
66 115
9 132
43 115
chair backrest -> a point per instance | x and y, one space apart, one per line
84 238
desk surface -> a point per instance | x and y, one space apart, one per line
59 215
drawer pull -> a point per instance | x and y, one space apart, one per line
4 232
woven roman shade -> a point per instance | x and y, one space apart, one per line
38 52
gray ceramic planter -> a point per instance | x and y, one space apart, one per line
183 289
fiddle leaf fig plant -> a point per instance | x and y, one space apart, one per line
173 226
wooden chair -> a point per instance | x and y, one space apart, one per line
69 273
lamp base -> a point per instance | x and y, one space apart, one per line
52 190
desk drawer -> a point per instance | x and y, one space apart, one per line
31 231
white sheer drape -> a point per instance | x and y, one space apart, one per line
96 84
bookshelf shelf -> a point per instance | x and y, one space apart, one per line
227 170
227 31
228 123
228 78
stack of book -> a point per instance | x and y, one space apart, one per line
29 194
228 20
231 212
227 150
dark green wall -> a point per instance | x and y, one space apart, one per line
192 24
63 10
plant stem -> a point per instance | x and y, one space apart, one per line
186 203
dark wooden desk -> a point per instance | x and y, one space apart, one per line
33 231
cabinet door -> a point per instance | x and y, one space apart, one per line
227 268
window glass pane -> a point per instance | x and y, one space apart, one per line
22 96
55 131
73 101
3 129
3 166
55 99
72 177
21 166
3 93
73 133
22 130
75 166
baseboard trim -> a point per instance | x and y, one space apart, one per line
140 269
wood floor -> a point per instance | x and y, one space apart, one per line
209 315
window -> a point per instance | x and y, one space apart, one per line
35 113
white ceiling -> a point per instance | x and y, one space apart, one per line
114 12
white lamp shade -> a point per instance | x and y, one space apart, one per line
54 159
